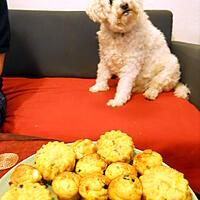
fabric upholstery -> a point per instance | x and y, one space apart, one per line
189 57
42 40
63 108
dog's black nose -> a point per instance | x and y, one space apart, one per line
124 6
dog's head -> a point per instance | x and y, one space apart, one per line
118 15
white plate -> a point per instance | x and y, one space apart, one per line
4 186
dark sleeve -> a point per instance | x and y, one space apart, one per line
4 27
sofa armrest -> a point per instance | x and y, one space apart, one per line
189 58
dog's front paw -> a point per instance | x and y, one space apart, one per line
115 103
99 88
151 93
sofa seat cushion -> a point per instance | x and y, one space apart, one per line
64 109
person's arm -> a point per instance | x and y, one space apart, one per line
2 97
2 58
4 33
4 47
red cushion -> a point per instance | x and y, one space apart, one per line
63 108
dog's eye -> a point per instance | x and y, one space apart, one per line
111 2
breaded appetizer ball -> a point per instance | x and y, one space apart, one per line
25 173
54 158
27 191
66 186
89 164
162 182
84 147
125 187
116 169
147 160
115 146
94 187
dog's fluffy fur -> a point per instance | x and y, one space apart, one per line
134 50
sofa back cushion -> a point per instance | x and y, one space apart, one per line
59 43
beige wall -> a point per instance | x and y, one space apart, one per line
186 13
186 17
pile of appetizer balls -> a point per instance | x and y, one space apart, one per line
106 169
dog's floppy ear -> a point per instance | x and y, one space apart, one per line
95 10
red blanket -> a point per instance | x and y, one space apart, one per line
63 108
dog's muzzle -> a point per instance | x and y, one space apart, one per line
125 9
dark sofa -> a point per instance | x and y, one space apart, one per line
52 63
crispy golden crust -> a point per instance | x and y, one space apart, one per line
162 182
125 187
147 160
25 173
27 191
94 187
54 158
66 186
84 147
89 164
116 169
115 146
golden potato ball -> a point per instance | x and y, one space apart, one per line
54 158
27 191
84 147
94 187
147 160
163 182
25 173
116 169
115 146
66 186
89 164
125 187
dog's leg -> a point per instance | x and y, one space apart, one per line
152 92
124 87
158 84
103 75
165 80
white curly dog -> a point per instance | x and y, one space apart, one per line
131 48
